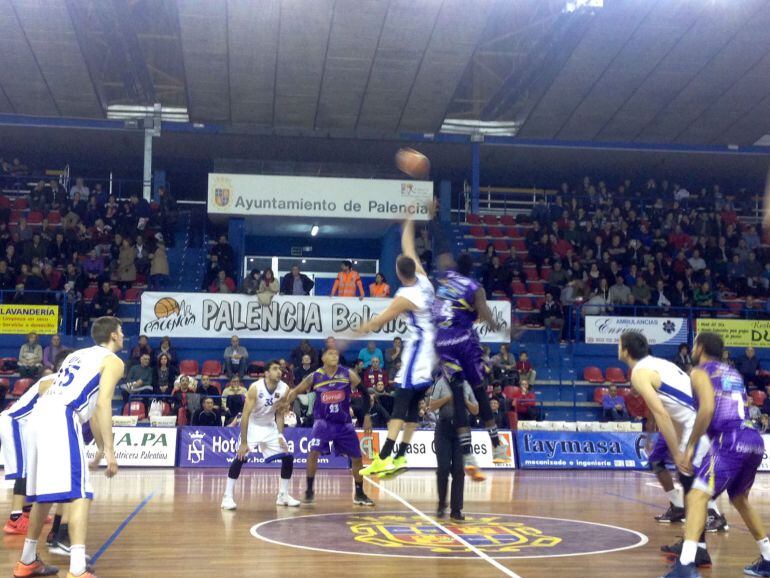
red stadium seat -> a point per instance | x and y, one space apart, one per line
539 302
520 244
188 367
35 218
512 232
524 304
54 218
519 288
489 219
15 216
256 368
615 375
473 219
477 232
4 384
90 292
545 270
511 391
759 397
501 245
181 416
20 204
9 365
513 420
481 245
593 374
531 274
508 220
624 392
132 294
135 408
166 408
536 287
21 386
735 307
599 393
212 367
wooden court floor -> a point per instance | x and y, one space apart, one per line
531 524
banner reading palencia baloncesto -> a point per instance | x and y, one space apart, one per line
216 315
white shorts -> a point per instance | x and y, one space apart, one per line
417 362
268 441
57 467
12 433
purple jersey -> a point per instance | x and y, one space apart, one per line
332 399
729 399
453 310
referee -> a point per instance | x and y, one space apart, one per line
449 454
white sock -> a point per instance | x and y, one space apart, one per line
675 497
764 547
230 487
689 548
284 487
29 553
713 506
78 559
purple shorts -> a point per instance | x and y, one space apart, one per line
342 435
731 464
660 451
465 356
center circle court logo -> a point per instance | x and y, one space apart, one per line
405 534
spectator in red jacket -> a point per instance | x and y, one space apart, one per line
525 402
222 284
375 375
524 367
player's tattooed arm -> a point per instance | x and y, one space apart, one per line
357 384
303 387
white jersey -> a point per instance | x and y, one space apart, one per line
77 383
419 355
25 404
675 393
263 413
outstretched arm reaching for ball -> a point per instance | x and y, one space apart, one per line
398 306
407 245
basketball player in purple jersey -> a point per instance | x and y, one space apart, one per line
332 424
735 455
460 302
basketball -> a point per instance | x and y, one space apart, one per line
413 163
166 307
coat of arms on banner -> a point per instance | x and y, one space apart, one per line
222 188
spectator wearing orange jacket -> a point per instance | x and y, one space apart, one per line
347 282
379 288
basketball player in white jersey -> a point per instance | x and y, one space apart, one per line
668 393
262 430
57 470
414 300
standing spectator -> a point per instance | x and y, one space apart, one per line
79 188
222 284
165 375
748 366
525 369
304 348
167 214
552 316
126 265
525 402
348 282
296 283
369 352
304 369
250 284
138 380
225 255
393 355
504 366
31 358
236 358
207 415
51 352
501 419
233 397
375 375
268 287
614 406
683 360
379 288
159 270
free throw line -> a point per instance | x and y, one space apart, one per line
471 547
120 528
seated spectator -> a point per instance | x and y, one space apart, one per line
31 358
304 369
296 283
495 278
764 423
704 296
236 358
126 269
138 380
51 352
525 403
206 387
304 348
393 354
142 347
159 270
501 418
165 348
80 189
7 278
754 413
165 374
557 280
497 393
185 396
683 360
380 416
637 408
514 266
504 366
348 282
287 374
525 369
379 288
748 366
375 375
207 415
726 359
551 315
250 284
384 397
233 397
222 284
93 268
641 292
620 293
268 287
105 302
614 406
369 352
428 419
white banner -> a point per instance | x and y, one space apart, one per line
657 330
225 315
149 447
765 465
422 451
238 194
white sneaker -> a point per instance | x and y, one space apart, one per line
500 454
286 500
228 503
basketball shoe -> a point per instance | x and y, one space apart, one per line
702 556
680 571
17 527
716 522
287 500
472 469
361 499
228 503
760 567
673 515
89 573
36 568
378 466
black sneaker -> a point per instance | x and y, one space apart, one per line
702 556
50 539
441 512
760 567
457 516
680 571
363 500
716 522
673 515
309 496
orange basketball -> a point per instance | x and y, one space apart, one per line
413 163
166 307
